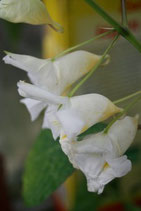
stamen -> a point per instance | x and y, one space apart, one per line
64 137
106 165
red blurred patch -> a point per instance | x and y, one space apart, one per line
133 6
100 30
134 25
58 204
112 207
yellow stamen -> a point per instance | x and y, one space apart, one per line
106 165
65 136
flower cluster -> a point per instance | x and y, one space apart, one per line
99 156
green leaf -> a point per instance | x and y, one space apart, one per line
132 207
133 154
92 130
47 167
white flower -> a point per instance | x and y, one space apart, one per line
56 76
27 11
75 115
100 156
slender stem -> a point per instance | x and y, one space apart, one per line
122 113
82 44
124 14
120 29
94 68
127 97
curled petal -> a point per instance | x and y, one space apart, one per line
34 107
71 123
30 91
23 11
98 143
93 108
51 121
82 112
73 66
120 166
117 167
55 76
40 71
122 133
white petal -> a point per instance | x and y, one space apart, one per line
23 11
94 185
34 92
71 123
95 143
25 62
93 108
90 164
55 76
73 66
34 107
40 71
118 167
83 112
122 133
51 121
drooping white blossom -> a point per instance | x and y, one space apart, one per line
54 76
27 11
75 115
100 156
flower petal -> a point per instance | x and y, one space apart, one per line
70 121
40 71
23 11
73 66
58 75
89 163
96 143
34 107
51 121
122 133
30 91
93 108
83 112
118 167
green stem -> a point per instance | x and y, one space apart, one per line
82 44
120 29
127 97
122 113
93 69
124 14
